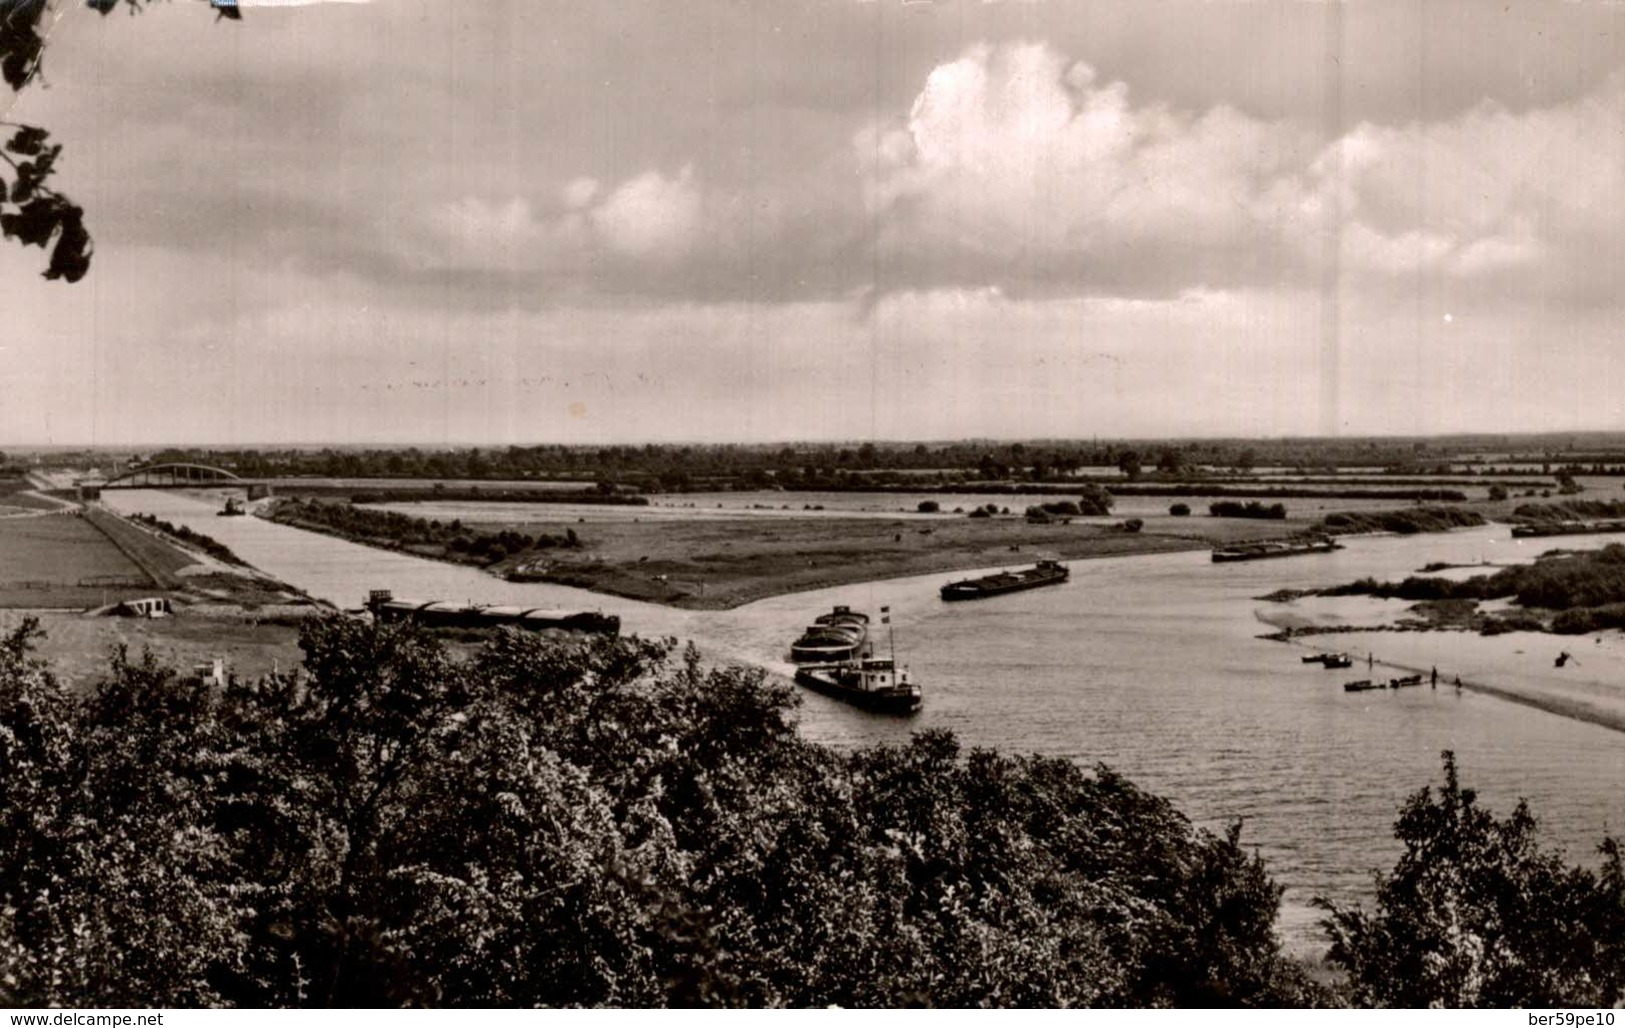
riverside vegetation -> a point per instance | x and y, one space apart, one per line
1583 591
606 822
428 537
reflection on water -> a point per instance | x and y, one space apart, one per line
1152 665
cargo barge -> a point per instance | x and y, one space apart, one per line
842 634
1045 572
1265 551
1545 528
444 614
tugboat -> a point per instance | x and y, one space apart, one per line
232 509
873 683
839 635
1045 572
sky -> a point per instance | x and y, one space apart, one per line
525 221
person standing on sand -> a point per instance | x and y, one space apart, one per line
1435 680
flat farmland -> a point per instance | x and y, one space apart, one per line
79 647
62 560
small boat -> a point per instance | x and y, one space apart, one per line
1330 660
1045 572
1363 685
839 635
873 683
1279 548
233 508
1406 682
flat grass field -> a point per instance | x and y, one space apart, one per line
57 560
78 647
16 497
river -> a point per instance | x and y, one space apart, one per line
1153 665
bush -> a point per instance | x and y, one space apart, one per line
1096 501
1180 510
1132 525
1498 492
928 507
1250 509
401 827
1477 914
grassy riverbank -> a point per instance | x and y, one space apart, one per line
719 563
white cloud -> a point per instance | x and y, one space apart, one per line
650 216
643 223
1017 163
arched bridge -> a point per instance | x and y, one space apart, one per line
171 476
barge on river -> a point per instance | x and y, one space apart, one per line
1045 572
873 683
842 634
1537 529
1278 548
444 614
1330 660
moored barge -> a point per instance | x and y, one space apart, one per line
842 634
1045 572
1279 548
444 614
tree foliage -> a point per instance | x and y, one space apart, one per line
31 212
569 822
1476 913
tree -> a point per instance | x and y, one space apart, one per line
1171 460
1180 510
555 822
1476 913
1498 492
1096 501
1129 464
31 212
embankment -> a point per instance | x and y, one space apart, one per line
157 559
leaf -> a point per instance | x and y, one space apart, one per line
29 140
34 224
70 258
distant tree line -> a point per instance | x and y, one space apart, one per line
1570 510
680 468
451 540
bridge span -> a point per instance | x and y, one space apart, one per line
173 476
